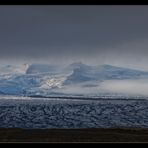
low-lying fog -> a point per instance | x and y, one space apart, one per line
127 87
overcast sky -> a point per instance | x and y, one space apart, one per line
116 35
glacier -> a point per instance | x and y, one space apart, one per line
27 112
74 96
74 79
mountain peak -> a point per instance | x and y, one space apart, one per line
107 65
77 64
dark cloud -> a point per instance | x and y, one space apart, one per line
69 32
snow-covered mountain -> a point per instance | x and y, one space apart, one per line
14 69
82 72
47 79
22 84
42 68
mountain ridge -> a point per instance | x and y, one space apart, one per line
42 80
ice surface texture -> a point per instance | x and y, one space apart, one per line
73 114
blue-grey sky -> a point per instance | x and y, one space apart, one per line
115 35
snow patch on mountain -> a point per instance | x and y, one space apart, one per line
82 73
48 83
